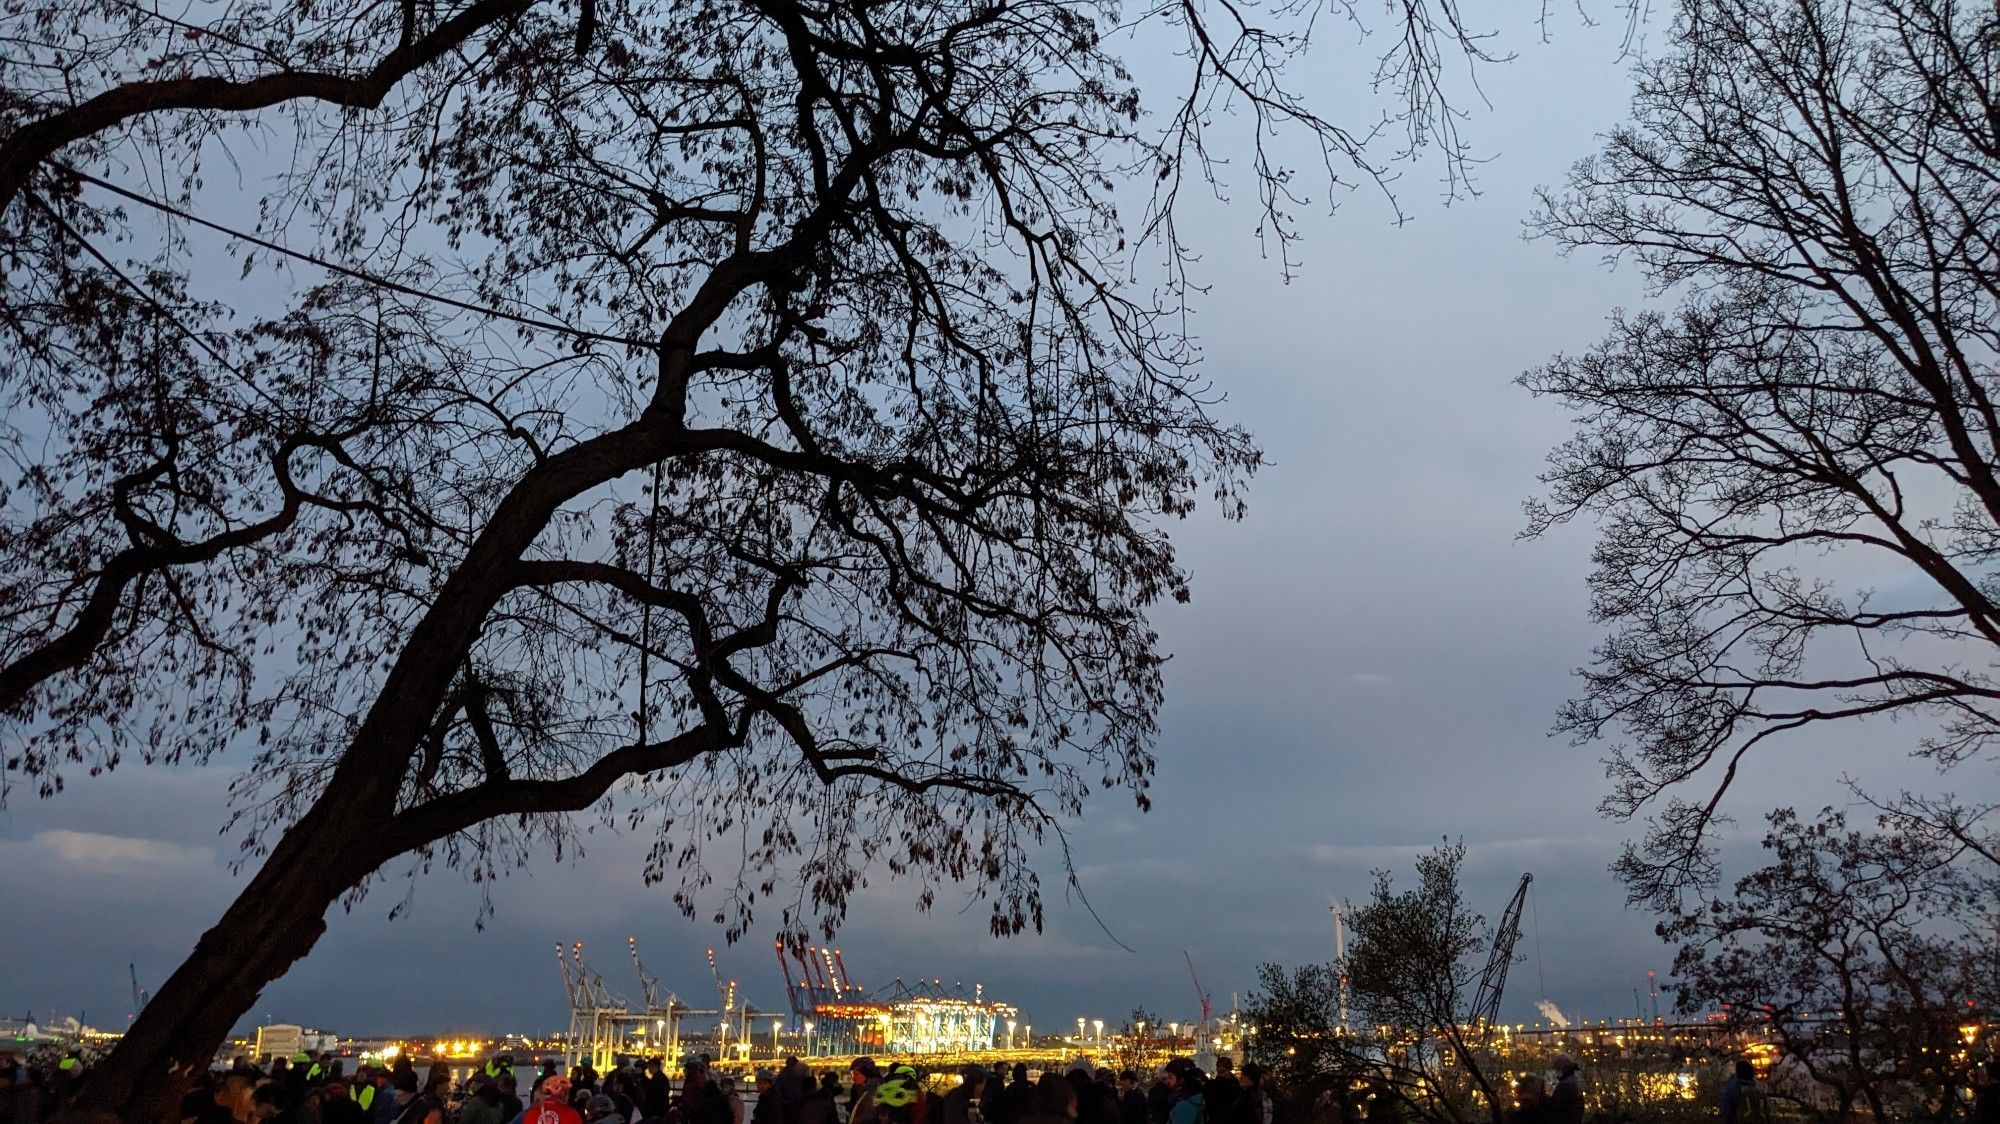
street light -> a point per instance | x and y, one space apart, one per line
809 1038
1079 1028
1010 1034
1098 1025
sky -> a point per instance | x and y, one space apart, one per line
1371 663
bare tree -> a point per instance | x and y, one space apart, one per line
1861 953
743 420
1796 470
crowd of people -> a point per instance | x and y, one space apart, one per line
317 1089
309 1089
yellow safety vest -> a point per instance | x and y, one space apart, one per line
365 1096
66 1063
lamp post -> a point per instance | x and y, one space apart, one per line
1098 1026
1010 1034
1079 1030
809 1038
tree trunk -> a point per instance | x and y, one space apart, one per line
276 920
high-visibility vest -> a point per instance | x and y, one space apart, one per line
313 1073
66 1064
365 1096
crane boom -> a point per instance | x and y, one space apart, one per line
649 985
1206 1006
1492 981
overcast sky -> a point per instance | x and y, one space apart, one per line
1371 662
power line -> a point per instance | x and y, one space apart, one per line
358 275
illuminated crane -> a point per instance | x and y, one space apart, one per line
726 995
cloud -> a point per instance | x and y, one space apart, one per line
1477 853
1371 679
101 853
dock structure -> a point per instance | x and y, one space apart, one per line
829 1013
926 1018
604 1024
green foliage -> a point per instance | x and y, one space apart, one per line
1408 969
1413 952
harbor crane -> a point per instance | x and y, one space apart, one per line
139 994
649 985
725 993
1207 1006
1492 981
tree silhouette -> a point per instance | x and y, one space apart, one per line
1796 471
746 420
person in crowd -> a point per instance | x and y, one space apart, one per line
819 1106
992 1091
1053 1101
789 1089
1531 1100
68 1072
1159 1098
336 1107
601 1109
551 1103
656 1090
961 1104
864 1079
1088 1108
896 1096
1014 1102
1742 1101
267 1103
12 1078
618 1083
767 1110
1253 1105
701 1102
731 1099
482 1104
496 1065
1221 1091
547 1070
1566 1099
1186 1082
384 1107
510 1098
1131 1099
